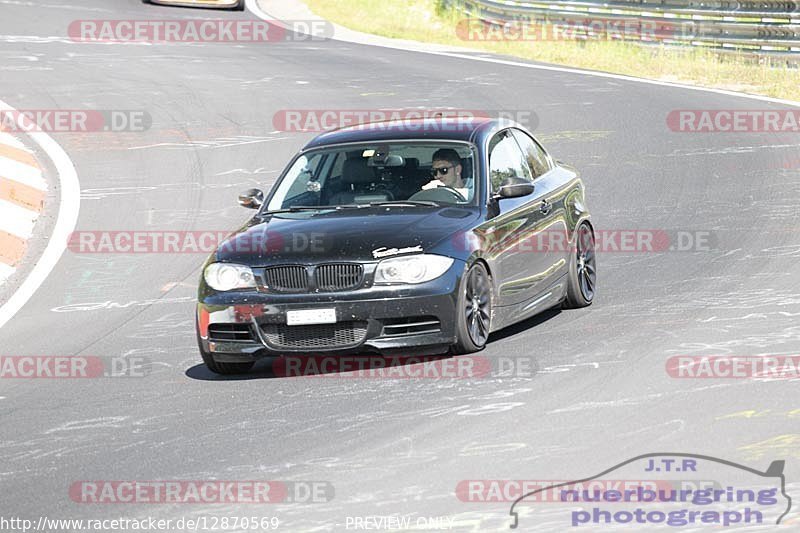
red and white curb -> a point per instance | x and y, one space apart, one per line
22 193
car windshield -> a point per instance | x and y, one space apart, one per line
409 174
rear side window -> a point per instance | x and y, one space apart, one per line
535 156
506 160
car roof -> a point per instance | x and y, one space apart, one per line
464 129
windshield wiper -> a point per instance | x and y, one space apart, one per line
399 203
297 209
350 206
406 203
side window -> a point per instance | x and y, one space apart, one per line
535 155
295 186
505 160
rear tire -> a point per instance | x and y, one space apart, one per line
473 311
582 276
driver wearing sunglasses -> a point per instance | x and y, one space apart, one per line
446 172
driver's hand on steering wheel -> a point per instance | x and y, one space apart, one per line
433 184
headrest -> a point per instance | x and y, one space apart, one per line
466 167
356 171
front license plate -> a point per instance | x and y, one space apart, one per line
311 316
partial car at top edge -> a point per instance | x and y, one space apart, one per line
237 5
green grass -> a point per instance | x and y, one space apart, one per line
425 20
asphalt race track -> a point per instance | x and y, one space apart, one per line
600 394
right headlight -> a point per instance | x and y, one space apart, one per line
228 276
411 269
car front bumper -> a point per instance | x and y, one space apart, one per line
418 319
220 4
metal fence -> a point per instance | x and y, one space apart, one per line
762 27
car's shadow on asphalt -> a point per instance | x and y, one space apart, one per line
262 370
294 367
521 327
278 368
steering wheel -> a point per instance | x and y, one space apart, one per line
439 194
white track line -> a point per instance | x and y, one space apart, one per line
68 209
347 35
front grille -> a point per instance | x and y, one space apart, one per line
286 279
339 277
230 332
339 335
328 278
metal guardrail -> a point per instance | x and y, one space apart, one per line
763 27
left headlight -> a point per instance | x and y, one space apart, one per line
227 277
411 269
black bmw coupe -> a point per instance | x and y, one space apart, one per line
419 236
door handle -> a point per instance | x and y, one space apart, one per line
546 207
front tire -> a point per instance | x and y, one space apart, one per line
474 311
224 369
582 277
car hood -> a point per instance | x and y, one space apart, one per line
364 234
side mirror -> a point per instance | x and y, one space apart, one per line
514 188
251 198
